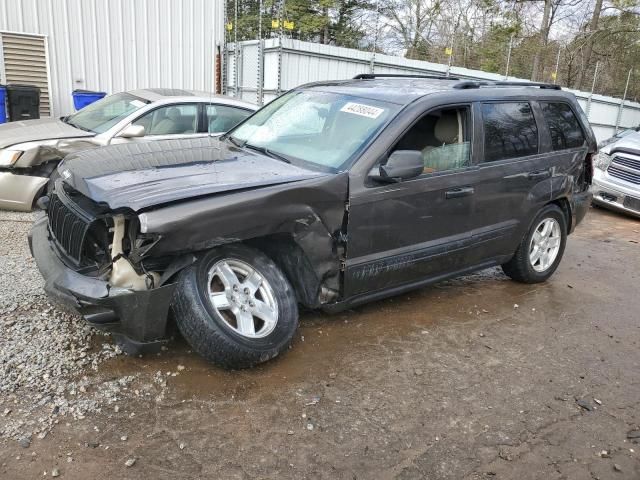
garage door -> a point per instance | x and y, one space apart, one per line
25 62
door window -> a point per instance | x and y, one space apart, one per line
443 138
222 118
563 126
510 131
170 120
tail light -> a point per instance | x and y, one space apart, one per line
588 168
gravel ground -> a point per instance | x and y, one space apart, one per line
45 352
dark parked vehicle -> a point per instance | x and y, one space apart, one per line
334 194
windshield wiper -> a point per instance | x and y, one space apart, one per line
74 125
266 151
235 141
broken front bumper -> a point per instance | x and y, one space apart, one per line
18 192
137 319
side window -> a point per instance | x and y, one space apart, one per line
443 137
563 126
510 131
170 120
222 118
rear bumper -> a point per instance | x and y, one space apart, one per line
138 319
17 192
614 195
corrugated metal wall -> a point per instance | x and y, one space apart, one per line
116 45
304 62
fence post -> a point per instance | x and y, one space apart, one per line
372 65
280 35
624 97
235 49
260 84
555 73
223 53
593 86
506 73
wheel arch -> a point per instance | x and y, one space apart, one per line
564 205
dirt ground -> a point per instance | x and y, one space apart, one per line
478 377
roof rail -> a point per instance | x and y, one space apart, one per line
370 76
477 84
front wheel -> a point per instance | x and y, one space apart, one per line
235 307
541 250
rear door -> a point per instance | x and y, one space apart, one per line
513 177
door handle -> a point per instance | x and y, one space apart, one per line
459 192
539 175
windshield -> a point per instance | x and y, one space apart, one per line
100 116
318 128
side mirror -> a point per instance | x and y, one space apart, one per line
132 131
401 165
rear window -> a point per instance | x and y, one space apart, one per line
510 131
563 126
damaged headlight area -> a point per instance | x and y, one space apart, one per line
602 161
103 244
9 157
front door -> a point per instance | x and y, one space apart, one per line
403 233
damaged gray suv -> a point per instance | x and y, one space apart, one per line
334 194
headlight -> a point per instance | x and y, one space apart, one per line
142 218
602 161
9 157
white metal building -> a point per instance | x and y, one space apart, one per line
108 45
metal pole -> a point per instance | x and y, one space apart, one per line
506 73
280 35
593 86
450 51
555 76
235 49
223 55
259 90
375 39
624 97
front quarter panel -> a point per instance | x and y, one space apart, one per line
310 211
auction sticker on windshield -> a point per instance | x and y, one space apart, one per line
362 110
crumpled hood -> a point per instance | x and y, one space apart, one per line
145 174
13 133
630 144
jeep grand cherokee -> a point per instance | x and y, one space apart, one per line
334 194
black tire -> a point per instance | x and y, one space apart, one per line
207 331
519 268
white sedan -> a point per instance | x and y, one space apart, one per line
30 150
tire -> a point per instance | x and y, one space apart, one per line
522 267
222 332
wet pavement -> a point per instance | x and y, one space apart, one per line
478 377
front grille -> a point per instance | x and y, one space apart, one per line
627 175
627 162
68 228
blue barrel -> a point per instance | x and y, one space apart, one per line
82 98
3 104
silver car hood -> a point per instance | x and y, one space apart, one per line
630 143
13 133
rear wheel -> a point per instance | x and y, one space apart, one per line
235 307
541 250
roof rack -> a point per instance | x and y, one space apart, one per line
370 76
477 84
